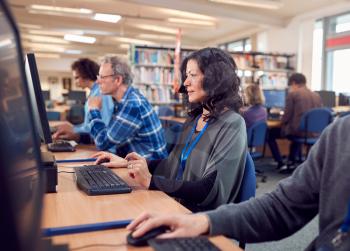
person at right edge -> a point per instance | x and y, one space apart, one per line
300 99
320 185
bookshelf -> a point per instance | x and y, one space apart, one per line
273 67
153 69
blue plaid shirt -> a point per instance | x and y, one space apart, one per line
134 127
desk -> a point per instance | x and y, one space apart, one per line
70 206
340 109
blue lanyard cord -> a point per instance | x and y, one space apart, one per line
344 228
186 151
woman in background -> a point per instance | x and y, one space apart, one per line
255 100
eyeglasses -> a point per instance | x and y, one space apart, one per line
104 77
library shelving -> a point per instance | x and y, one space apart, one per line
153 69
273 69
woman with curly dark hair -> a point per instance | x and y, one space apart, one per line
205 168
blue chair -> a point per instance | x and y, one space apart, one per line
172 131
164 111
76 114
53 115
312 123
248 187
256 134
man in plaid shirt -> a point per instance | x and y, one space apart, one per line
134 126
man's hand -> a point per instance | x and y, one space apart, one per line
95 103
181 225
65 131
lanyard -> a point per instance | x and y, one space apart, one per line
343 230
346 223
186 151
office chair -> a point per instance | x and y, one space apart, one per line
312 123
165 111
256 134
76 114
172 131
248 186
53 115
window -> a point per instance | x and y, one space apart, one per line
316 76
336 49
239 45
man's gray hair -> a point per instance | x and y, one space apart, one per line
119 67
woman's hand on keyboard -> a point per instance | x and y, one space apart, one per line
109 160
138 170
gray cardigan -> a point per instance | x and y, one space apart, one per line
222 148
320 185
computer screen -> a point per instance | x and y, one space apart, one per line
46 95
275 98
36 99
78 96
344 99
327 97
21 186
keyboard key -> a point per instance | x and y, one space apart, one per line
200 243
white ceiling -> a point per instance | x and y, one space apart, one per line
42 32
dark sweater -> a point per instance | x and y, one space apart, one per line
320 185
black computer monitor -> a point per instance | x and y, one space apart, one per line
46 95
275 98
36 99
344 99
327 97
78 96
21 186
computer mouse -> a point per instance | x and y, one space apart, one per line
142 240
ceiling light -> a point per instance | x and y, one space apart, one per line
60 9
80 39
190 21
156 28
47 55
74 52
107 17
264 4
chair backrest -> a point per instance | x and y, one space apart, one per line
248 186
76 114
165 111
256 134
172 131
315 120
53 115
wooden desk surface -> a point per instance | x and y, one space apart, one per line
70 206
